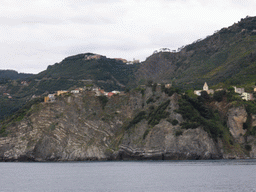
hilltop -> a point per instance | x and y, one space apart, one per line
104 72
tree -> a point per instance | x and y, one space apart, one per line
254 95
205 95
218 95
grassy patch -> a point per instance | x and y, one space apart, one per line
155 115
138 117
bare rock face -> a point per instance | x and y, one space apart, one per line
251 142
236 118
161 143
253 120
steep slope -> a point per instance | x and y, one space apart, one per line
227 56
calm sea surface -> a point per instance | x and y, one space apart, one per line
220 175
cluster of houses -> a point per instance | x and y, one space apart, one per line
245 96
97 91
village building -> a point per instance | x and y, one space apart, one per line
61 92
197 92
98 91
76 91
46 99
49 98
205 88
247 96
168 86
116 92
238 90
110 94
120 59
24 83
89 57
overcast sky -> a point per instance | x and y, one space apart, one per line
38 33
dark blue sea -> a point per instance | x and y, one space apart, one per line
157 176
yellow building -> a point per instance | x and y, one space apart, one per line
61 92
46 99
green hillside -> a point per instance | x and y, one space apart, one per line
72 72
107 73
229 56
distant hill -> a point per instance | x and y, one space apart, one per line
229 55
104 72
11 74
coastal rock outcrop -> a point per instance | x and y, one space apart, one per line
79 127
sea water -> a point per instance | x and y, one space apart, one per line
157 176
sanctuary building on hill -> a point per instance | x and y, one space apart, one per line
205 88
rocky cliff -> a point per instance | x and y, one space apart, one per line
139 125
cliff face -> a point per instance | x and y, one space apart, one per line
81 127
236 118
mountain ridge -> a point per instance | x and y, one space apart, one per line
218 58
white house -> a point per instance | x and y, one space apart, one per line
197 92
247 96
239 90
75 91
116 92
51 97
